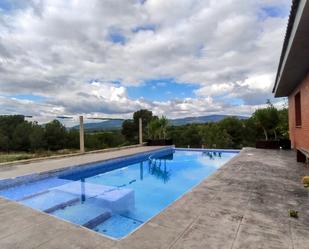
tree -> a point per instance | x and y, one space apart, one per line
153 129
129 131
191 136
176 133
37 138
249 132
8 125
157 128
20 138
267 119
130 127
4 142
283 126
234 127
163 126
55 135
213 136
72 139
145 115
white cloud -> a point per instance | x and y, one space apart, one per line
54 48
215 90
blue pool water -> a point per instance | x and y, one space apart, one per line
116 199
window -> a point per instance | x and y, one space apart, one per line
297 110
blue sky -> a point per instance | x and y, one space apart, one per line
275 11
204 58
162 90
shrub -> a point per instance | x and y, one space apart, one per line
306 181
293 213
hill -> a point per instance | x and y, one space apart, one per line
116 124
201 119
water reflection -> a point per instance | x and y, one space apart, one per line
157 167
212 155
83 193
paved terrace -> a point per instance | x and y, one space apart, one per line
243 205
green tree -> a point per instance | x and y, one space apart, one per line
130 127
20 138
191 136
234 127
8 124
213 136
283 126
92 141
249 132
129 131
267 119
37 138
163 126
157 128
154 129
72 139
145 115
4 142
176 133
55 135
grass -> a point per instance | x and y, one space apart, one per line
15 156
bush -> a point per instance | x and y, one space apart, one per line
305 181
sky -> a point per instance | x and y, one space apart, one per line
110 58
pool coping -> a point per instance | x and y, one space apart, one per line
212 150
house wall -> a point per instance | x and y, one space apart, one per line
300 135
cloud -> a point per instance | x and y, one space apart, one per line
83 55
215 89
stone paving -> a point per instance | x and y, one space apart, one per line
244 205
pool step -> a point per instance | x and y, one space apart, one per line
97 220
117 226
33 195
28 189
87 214
62 205
110 197
50 201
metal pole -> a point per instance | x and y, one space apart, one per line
81 134
140 131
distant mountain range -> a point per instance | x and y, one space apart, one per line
201 119
116 124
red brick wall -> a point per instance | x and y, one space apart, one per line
300 135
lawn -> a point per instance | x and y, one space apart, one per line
15 156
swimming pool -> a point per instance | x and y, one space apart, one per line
116 197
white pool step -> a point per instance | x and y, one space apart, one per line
85 214
49 201
112 198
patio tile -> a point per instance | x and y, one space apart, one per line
150 236
33 235
256 237
300 236
199 237
78 237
